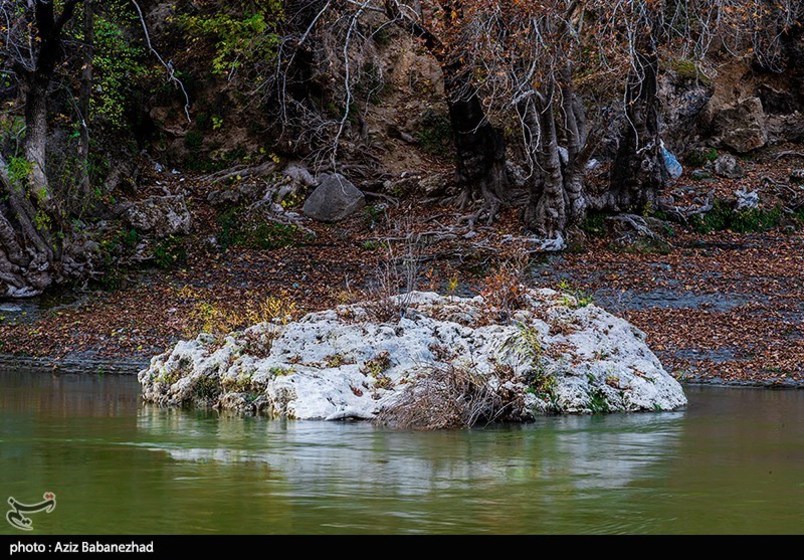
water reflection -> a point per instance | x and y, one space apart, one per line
319 457
730 463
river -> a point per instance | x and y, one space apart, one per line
733 462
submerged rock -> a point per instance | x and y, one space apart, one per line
552 354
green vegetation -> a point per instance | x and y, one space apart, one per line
243 36
377 366
278 371
573 298
118 64
170 252
335 360
206 389
724 217
435 134
527 344
373 214
595 224
699 158
252 234
597 401
19 170
687 69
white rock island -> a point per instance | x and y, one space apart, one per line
551 355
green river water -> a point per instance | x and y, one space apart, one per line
733 462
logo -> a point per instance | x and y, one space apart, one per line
16 515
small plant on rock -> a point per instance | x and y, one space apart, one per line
504 290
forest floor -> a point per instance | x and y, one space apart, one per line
722 307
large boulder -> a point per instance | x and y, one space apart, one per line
160 216
741 125
553 353
684 97
335 199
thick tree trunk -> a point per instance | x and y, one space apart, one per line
31 258
546 213
479 147
27 255
558 197
638 171
575 131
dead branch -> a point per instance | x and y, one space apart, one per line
787 154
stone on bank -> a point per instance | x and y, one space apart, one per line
370 361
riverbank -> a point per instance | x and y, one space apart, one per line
718 307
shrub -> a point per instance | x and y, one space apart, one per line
595 224
574 298
252 233
723 217
435 134
170 252
503 290
448 397
215 319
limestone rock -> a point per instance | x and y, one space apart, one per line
553 354
727 166
741 125
747 200
160 216
335 199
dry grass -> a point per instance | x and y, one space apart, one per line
504 290
213 318
448 397
396 278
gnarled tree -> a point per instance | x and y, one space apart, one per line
30 219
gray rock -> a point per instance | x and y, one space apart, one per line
741 126
683 101
700 174
245 192
727 166
335 199
160 216
299 174
797 176
747 200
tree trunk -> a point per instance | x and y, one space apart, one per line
30 253
558 197
546 213
35 88
638 171
27 255
85 98
479 147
